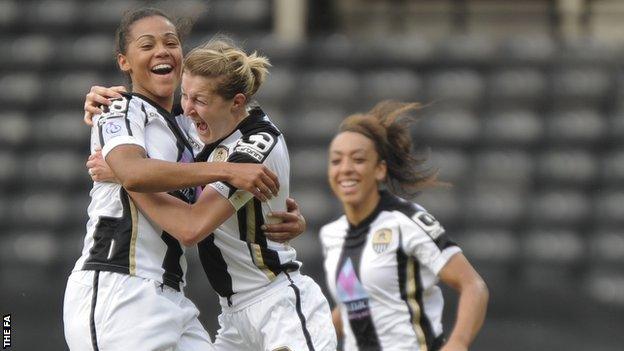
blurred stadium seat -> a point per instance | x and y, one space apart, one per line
459 87
575 127
568 166
512 127
612 171
31 51
511 168
565 208
494 205
15 128
448 126
524 86
401 85
329 86
20 89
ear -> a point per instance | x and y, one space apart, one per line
239 101
381 171
123 63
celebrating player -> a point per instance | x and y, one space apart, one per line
266 303
384 256
125 292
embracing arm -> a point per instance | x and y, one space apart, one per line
459 274
188 223
138 173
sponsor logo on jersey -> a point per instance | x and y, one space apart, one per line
220 154
351 292
381 240
112 128
429 224
249 151
256 145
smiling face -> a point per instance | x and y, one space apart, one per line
153 59
213 116
355 170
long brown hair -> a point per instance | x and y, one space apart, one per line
387 125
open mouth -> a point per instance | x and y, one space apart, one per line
348 184
201 126
162 69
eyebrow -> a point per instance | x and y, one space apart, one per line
168 34
352 152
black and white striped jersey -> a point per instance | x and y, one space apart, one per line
383 274
238 257
120 238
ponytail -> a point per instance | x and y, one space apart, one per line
239 72
387 125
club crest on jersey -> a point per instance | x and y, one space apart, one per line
381 240
112 128
220 154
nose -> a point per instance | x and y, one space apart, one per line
346 166
162 50
187 106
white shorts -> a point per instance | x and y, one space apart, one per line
124 312
289 314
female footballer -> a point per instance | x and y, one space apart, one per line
126 290
385 255
266 303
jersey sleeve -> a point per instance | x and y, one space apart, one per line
425 239
121 123
254 148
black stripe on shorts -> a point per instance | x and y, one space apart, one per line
306 333
96 278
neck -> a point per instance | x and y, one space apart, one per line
164 102
238 118
356 213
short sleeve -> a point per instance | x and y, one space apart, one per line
425 239
121 123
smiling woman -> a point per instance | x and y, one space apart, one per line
384 257
125 292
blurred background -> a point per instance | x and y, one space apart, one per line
523 116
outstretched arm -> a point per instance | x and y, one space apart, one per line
459 274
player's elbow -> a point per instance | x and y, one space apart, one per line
480 289
132 183
189 240
190 236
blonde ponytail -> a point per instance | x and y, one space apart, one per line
220 58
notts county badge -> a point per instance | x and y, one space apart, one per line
381 240
220 154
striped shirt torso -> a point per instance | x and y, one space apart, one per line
238 258
120 238
383 274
